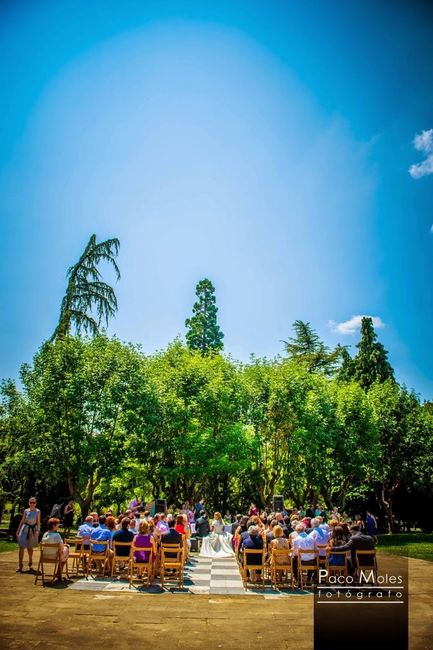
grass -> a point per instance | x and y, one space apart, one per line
7 546
416 545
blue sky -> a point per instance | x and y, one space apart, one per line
264 145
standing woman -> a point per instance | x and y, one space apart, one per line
28 532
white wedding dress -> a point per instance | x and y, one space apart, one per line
218 544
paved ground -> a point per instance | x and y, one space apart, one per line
64 617
202 576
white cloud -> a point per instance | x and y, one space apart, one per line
352 325
423 142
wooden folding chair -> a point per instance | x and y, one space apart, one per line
143 567
281 570
366 561
336 569
248 565
321 549
185 547
118 559
76 554
172 560
309 568
101 558
47 557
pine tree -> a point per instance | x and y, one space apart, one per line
86 293
346 369
371 363
204 333
307 347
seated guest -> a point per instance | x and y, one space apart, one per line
235 524
287 529
319 535
123 535
172 537
270 534
357 542
336 539
346 531
161 523
280 543
110 523
253 541
52 536
243 526
294 532
144 539
302 542
100 534
187 527
95 517
280 520
133 526
85 530
180 525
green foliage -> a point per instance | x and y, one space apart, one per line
371 363
405 432
203 331
307 348
182 424
76 390
86 291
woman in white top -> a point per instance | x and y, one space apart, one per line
28 532
52 536
219 543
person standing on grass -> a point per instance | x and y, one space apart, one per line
28 532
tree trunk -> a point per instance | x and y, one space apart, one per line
385 499
327 497
83 501
2 507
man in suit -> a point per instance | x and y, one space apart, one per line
172 537
198 509
202 527
357 542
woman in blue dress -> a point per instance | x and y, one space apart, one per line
28 532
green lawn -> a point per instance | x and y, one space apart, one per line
7 546
415 545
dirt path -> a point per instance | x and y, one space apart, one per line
37 617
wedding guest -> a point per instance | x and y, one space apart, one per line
28 533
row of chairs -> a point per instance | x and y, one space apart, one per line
88 559
279 566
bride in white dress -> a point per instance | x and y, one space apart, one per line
219 543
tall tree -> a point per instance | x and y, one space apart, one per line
79 392
346 369
86 291
371 363
307 347
204 333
